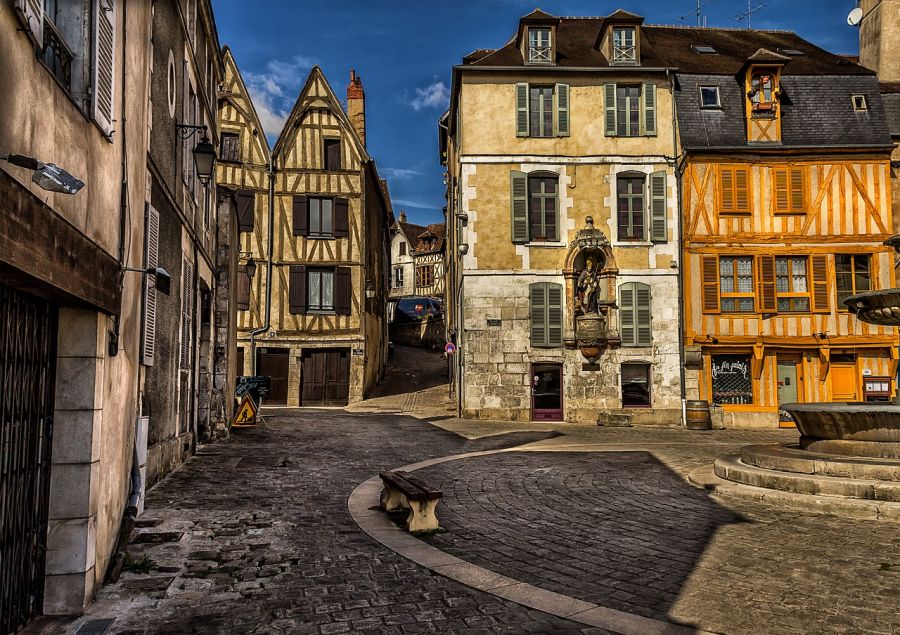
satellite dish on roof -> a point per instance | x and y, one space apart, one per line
855 17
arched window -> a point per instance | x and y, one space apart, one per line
634 314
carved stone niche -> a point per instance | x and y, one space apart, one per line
590 275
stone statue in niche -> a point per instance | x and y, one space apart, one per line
590 289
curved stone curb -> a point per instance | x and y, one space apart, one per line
377 524
861 509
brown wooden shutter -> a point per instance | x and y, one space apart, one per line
341 218
246 202
343 289
782 196
820 298
797 190
766 284
301 215
709 266
741 190
242 292
726 189
297 289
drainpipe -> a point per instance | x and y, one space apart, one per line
270 240
681 264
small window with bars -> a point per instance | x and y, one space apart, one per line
736 284
539 46
732 381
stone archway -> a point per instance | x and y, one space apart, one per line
591 244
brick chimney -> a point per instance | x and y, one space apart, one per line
356 105
402 216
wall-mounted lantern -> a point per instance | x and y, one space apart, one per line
204 152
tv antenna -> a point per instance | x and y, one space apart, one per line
748 13
701 19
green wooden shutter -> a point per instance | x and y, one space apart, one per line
554 315
609 91
648 112
518 192
539 314
521 110
658 229
644 336
561 112
627 331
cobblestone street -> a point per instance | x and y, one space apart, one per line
253 535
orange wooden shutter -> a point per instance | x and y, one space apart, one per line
710 270
819 267
797 193
726 189
782 196
741 190
766 284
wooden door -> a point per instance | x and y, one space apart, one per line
844 382
325 377
239 362
273 363
546 392
790 386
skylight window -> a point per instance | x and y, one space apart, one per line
859 102
709 97
703 49
791 52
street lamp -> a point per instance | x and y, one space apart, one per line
204 152
48 176
251 267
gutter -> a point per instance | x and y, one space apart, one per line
681 265
269 241
570 69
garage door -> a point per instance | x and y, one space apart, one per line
325 377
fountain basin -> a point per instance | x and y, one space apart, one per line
876 307
867 422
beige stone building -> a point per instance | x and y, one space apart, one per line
314 218
562 225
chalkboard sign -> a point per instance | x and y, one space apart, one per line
732 382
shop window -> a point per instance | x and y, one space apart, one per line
635 385
732 382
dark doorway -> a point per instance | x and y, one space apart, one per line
239 362
326 377
27 368
273 363
546 395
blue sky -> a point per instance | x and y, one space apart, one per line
404 51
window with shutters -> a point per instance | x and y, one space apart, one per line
542 204
630 110
242 293
540 50
230 147
542 111
320 290
245 201
546 314
424 275
630 206
321 217
791 284
402 249
852 275
789 195
624 47
733 189
187 312
634 314
635 384
332 156
148 335
736 284
398 277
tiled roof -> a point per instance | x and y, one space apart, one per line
410 230
436 233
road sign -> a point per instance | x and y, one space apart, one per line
246 413
450 348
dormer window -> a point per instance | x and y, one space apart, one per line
859 102
762 93
539 48
624 45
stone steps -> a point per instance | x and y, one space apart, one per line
733 469
786 458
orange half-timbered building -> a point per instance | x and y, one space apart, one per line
786 202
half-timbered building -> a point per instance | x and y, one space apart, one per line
786 204
315 222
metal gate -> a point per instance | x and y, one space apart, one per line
27 356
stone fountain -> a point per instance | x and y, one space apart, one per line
850 450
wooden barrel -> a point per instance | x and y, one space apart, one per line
697 415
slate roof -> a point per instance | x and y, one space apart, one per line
816 111
892 112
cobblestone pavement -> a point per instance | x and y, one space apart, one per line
257 539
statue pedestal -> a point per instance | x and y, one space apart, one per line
592 335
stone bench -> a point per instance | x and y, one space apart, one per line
404 492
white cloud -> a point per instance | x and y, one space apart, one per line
400 174
435 95
274 90
405 202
